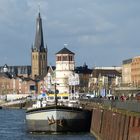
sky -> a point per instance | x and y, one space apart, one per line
99 32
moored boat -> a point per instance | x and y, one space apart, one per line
58 118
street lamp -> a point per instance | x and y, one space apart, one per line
55 92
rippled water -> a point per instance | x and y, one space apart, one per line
13 127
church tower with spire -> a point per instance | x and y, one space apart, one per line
39 52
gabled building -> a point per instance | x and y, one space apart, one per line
49 79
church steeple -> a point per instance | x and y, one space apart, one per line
39 52
39 43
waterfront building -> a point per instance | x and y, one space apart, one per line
104 79
130 77
107 75
49 79
84 74
65 65
135 71
126 72
15 79
10 83
131 71
39 52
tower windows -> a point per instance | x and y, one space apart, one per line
44 57
70 58
65 58
58 58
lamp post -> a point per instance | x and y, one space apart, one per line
55 94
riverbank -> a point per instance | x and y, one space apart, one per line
17 104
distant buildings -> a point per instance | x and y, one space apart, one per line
15 79
126 72
84 75
16 70
135 71
10 83
131 71
104 79
41 77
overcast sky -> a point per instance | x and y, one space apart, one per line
99 32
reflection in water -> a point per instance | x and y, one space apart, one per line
13 127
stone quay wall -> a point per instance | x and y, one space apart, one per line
112 123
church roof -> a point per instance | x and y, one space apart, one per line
65 51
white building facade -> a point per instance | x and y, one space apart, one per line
65 65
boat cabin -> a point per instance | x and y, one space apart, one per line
61 97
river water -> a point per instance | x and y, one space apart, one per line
13 127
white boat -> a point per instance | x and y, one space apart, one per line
58 117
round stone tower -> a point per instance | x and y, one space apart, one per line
65 65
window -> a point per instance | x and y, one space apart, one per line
65 58
44 57
58 58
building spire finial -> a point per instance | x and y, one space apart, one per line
39 43
65 45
